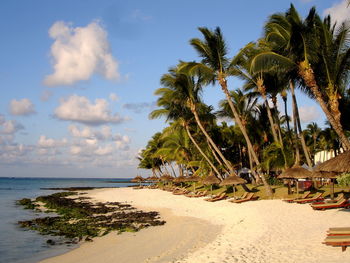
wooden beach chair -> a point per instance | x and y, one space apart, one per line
342 203
250 197
338 241
316 197
244 195
329 201
181 192
305 195
338 231
217 197
197 194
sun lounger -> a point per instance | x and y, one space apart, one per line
339 231
244 195
217 197
342 203
197 194
340 196
181 192
316 197
305 195
250 197
338 241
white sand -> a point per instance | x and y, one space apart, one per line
260 231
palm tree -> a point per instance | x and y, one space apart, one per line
313 131
187 88
215 67
174 107
314 51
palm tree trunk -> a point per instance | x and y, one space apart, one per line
217 158
172 168
287 117
333 115
200 150
301 135
269 115
295 141
227 163
223 84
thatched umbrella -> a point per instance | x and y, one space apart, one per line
210 180
137 179
166 178
194 179
152 179
233 180
180 179
296 172
326 175
338 164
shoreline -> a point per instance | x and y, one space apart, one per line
259 231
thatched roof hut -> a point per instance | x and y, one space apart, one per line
211 179
327 175
338 164
296 172
192 178
137 179
233 180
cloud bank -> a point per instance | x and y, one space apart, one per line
80 109
339 12
78 53
22 107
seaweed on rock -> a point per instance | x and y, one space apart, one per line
79 219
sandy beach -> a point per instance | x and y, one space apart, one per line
199 231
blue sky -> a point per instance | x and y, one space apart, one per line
77 77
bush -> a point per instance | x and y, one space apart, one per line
344 179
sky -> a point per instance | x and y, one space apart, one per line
77 78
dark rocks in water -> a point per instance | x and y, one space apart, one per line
79 219
27 203
50 242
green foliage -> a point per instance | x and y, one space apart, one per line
344 179
27 203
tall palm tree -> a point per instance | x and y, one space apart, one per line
215 67
187 88
316 52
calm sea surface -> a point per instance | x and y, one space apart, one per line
24 246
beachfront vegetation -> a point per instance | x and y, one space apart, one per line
309 54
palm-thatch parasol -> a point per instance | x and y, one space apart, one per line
338 164
296 172
152 179
166 178
233 180
137 179
194 179
210 180
180 179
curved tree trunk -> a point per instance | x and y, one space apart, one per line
333 115
223 84
200 150
217 159
300 131
227 163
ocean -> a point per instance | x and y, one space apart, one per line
18 245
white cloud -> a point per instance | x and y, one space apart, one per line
104 150
339 12
308 114
80 109
50 143
21 107
10 127
46 95
113 97
122 142
80 52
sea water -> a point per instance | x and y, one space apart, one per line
18 245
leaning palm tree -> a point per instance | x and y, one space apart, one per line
173 108
316 52
215 66
187 89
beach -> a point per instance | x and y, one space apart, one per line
200 231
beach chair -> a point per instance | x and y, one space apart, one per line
342 203
217 197
250 197
198 194
338 241
181 192
244 195
329 201
316 197
338 231
305 195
